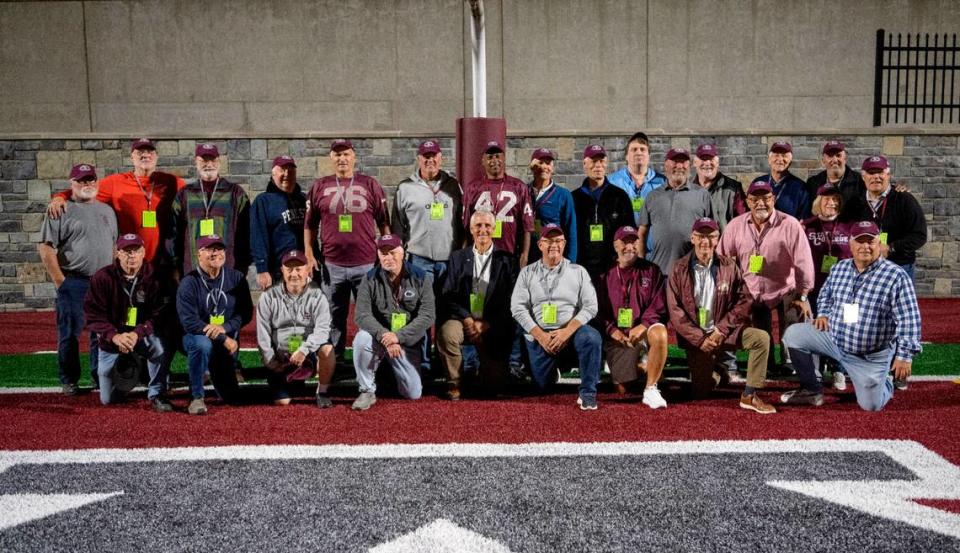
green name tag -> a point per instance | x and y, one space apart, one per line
148 219
397 321
345 223
294 343
702 317
217 319
596 233
498 229
206 227
828 262
131 316
625 317
549 312
436 211
756 264
637 205
883 238
476 303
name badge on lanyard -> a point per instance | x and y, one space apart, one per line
294 343
625 317
476 303
436 211
131 317
756 264
827 264
596 233
549 313
345 223
637 204
217 319
498 229
206 227
851 313
397 321
148 219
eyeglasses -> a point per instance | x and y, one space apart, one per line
706 237
553 241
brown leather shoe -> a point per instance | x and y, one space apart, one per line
754 403
619 388
453 394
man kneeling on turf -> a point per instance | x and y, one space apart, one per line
213 303
709 307
553 301
122 305
395 309
293 331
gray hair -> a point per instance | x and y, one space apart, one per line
482 212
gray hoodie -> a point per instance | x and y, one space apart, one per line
281 316
567 286
422 234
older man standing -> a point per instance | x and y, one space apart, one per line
867 318
476 295
709 308
213 302
72 248
632 312
210 205
669 212
124 307
347 208
774 256
726 194
601 209
836 172
790 193
293 332
552 203
395 309
553 301
276 221
637 178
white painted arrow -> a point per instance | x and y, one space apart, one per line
20 508
441 536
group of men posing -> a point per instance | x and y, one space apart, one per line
505 272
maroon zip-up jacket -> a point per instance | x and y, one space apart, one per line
731 302
106 303
645 291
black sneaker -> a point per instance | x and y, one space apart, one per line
161 405
70 389
900 384
323 401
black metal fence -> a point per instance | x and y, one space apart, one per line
916 79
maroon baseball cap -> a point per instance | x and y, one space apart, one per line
341 144
389 242
781 147
128 240
827 190
210 240
864 228
142 144
283 161
82 171
674 154
707 151
705 225
493 146
294 255
428 147
873 163
206 149
594 150
760 185
833 147
543 154
547 230
625 232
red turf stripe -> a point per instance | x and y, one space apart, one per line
949 505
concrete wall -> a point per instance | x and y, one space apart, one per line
261 67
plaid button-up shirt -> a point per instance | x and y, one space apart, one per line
887 304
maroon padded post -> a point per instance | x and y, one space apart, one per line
473 133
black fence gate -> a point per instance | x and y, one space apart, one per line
916 79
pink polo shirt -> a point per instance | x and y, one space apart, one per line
787 261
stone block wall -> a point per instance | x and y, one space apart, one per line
30 170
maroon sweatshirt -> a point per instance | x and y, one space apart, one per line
106 303
641 288
826 238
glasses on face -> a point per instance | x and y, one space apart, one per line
553 241
706 237
131 252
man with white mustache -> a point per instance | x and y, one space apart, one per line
207 206
72 248
833 159
726 193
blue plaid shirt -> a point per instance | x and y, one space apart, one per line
889 313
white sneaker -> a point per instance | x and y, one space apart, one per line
839 381
653 399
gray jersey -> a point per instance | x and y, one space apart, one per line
668 215
84 237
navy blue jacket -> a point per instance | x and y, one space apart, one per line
455 299
198 298
276 226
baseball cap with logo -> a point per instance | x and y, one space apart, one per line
543 154
864 228
128 240
294 255
781 147
550 229
283 161
428 147
707 151
594 150
142 144
705 225
341 144
760 186
875 163
388 242
625 232
493 146
206 149
210 240
828 190
678 154
83 171
833 147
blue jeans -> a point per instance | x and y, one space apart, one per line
70 322
205 355
868 372
587 343
150 347
367 354
338 283
438 270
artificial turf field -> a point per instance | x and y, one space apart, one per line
521 473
